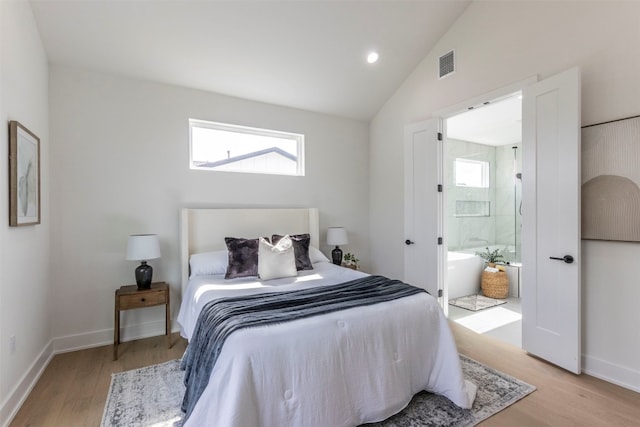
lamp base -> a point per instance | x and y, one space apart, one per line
144 273
336 256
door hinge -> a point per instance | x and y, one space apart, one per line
439 188
439 293
439 240
439 136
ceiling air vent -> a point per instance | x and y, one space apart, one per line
447 64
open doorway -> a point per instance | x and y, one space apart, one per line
550 213
483 217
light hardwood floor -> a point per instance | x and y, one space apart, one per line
561 398
73 389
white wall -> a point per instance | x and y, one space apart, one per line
26 288
120 166
498 43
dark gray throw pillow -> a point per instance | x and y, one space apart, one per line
243 257
301 244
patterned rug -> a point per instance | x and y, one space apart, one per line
476 302
151 396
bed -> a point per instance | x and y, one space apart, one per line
341 368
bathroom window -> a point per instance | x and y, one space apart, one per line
231 148
471 173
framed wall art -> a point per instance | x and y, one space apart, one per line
611 181
24 176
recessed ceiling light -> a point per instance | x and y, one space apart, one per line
372 57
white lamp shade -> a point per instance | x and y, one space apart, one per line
143 247
337 236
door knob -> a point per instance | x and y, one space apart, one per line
409 242
567 258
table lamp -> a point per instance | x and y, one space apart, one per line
336 236
143 247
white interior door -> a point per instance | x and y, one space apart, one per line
422 224
551 220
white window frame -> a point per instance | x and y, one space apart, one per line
226 127
484 171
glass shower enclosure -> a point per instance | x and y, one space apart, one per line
484 198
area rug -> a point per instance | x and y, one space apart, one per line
151 396
476 302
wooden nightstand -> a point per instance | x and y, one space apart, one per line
129 297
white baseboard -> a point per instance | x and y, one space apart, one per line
76 342
105 336
615 374
66 344
19 394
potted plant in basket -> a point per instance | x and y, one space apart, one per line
351 261
491 256
494 284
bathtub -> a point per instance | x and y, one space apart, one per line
464 271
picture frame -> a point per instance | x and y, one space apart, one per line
24 176
611 180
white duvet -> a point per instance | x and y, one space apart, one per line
339 369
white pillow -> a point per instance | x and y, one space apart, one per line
276 261
316 256
207 263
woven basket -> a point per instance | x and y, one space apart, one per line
495 285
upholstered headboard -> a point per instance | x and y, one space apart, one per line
204 230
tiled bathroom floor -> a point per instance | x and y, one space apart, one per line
503 322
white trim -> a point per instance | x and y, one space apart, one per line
494 95
20 392
76 342
66 344
69 343
441 115
615 374
441 250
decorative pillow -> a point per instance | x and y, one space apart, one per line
316 256
207 263
276 261
300 249
243 257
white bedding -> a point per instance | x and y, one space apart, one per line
339 369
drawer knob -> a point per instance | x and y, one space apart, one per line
142 299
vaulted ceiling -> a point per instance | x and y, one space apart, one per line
303 54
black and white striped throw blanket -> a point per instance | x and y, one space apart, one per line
219 318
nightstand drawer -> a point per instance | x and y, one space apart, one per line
130 297
147 299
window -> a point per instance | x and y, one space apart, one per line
471 173
231 148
